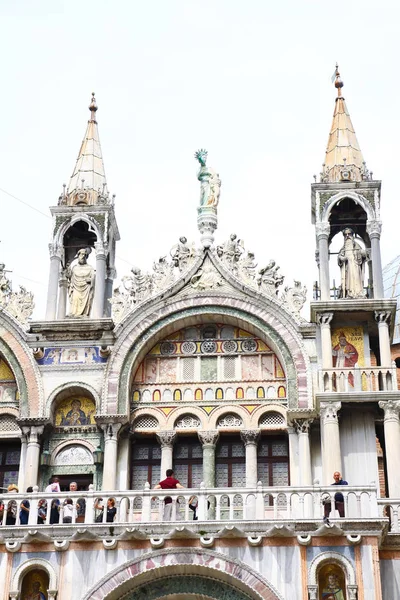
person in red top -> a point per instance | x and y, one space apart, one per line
170 483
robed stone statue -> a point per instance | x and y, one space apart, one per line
351 260
81 279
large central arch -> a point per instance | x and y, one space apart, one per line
183 572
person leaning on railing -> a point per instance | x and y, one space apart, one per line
111 510
339 499
12 506
24 508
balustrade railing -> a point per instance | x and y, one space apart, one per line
390 508
361 379
202 504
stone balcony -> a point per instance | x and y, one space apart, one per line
224 512
361 379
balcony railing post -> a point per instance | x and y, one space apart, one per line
202 500
260 513
146 504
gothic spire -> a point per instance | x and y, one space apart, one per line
343 159
88 183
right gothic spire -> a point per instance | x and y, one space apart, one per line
343 159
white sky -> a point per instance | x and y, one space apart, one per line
249 81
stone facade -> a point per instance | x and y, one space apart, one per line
208 367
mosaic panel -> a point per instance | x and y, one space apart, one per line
75 411
348 347
8 393
35 585
187 584
70 356
151 370
6 373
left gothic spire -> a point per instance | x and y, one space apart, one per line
88 184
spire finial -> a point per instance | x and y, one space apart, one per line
93 108
338 81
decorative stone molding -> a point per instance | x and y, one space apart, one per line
32 432
391 409
13 546
254 540
250 437
110 430
329 411
374 229
110 544
166 438
304 540
207 541
324 319
208 438
354 540
157 542
61 545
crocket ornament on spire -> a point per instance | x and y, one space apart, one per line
210 187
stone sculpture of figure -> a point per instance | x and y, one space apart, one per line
119 304
332 589
231 251
206 278
269 280
247 267
210 184
295 297
5 285
351 260
80 285
182 254
21 305
139 285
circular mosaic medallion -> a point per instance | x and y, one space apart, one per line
249 346
188 348
167 348
208 347
229 346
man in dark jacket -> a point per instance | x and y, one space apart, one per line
339 499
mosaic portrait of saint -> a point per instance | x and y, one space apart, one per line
75 412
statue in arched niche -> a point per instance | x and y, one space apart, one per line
80 285
351 260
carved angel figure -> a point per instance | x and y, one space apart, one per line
21 305
5 285
269 280
206 278
247 268
163 273
139 285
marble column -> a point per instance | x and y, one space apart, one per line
330 440
111 275
209 440
323 230
303 428
52 291
250 439
166 440
32 434
382 317
324 322
374 229
392 445
293 456
62 298
22 464
110 431
100 283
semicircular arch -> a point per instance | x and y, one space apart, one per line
24 367
66 390
141 334
175 562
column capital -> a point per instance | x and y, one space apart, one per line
250 436
374 228
110 430
329 411
322 230
101 250
166 438
324 319
382 316
302 425
32 431
208 438
55 250
391 409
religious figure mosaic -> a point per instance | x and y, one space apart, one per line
70 356
77 411
35 585
332 584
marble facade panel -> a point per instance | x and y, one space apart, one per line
390 577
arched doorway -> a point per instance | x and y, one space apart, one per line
183 573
